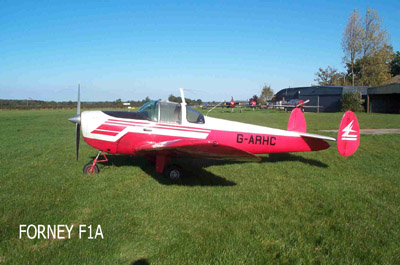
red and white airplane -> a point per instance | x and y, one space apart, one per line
162 130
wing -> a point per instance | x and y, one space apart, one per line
283 106
195 149
312 107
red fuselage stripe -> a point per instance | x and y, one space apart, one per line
105 133
124 122
138 122
178 129
158 126
115 128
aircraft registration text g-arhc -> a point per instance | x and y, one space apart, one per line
256 139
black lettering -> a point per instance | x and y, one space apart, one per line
273 140
265 140
251 141
239 138
258 139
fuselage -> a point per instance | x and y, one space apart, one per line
123 135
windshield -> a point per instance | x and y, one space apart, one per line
194 116
150 110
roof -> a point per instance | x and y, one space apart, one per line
294 92
352 89
395 79
385 89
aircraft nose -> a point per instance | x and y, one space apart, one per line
75 119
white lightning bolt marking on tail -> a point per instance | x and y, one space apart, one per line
346 135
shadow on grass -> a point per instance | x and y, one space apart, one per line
194 169
274 158
140 262
194 172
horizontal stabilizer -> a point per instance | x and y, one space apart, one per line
317 136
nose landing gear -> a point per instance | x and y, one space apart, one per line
91 167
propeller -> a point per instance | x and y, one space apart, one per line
77 120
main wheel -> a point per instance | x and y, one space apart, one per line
173 172
87 169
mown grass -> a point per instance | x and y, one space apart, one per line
289 208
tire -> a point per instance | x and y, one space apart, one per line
87 169
173 172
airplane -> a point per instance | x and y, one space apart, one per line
231 104
254 105
161 130
295 103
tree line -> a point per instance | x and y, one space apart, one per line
188 101
368 55
41 104
117 104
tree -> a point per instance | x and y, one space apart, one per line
369 65
329 77
118 102
266 94
356 70
172 98
189 101
377 52
255 99
352 40
374 37
395 64
352 101
375 68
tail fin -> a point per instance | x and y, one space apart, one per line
349 134
297 122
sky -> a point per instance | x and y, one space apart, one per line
133 49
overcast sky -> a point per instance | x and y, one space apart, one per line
134 49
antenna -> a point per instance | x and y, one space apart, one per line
214 107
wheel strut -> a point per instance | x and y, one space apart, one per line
91 167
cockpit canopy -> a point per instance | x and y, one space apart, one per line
169 112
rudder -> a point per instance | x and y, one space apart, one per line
297 122
348 138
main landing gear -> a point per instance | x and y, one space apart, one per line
91 167
173 172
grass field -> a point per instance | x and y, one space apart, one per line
290 208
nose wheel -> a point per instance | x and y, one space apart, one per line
91 167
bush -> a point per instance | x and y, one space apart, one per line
352 101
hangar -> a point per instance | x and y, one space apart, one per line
384 99
327 97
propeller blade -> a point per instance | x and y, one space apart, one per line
78 138
78 104
77 120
